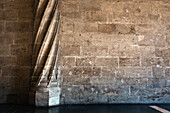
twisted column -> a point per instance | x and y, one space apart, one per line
45 82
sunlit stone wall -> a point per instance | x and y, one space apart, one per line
115 51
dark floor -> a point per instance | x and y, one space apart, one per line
83 109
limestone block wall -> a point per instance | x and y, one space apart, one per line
111 51
16 23
115 51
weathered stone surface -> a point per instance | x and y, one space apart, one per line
158 72
69 6
125 29
11 15
132 51
159 62
96 16
11 61
167 72
145 29
19 26
72 15
81 71
94 51
24 60
18 49
147 51
70 50
76 80
85 61
162 52
2 27
108 62
6 51
75 39
95 5
15 33
69 61
154 40
167 61
91 27
23 38
101 80
68 28
117 50
112 71
26 15
111 51
129 62
107 28
138 72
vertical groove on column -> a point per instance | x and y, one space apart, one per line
45 89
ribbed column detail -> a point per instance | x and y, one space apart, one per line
45 82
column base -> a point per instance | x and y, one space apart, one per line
45 97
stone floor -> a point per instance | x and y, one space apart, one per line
84 109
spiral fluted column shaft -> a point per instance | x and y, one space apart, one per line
45 88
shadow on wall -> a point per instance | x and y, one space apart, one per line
16 22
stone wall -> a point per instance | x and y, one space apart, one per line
16 22
115 51
112 51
